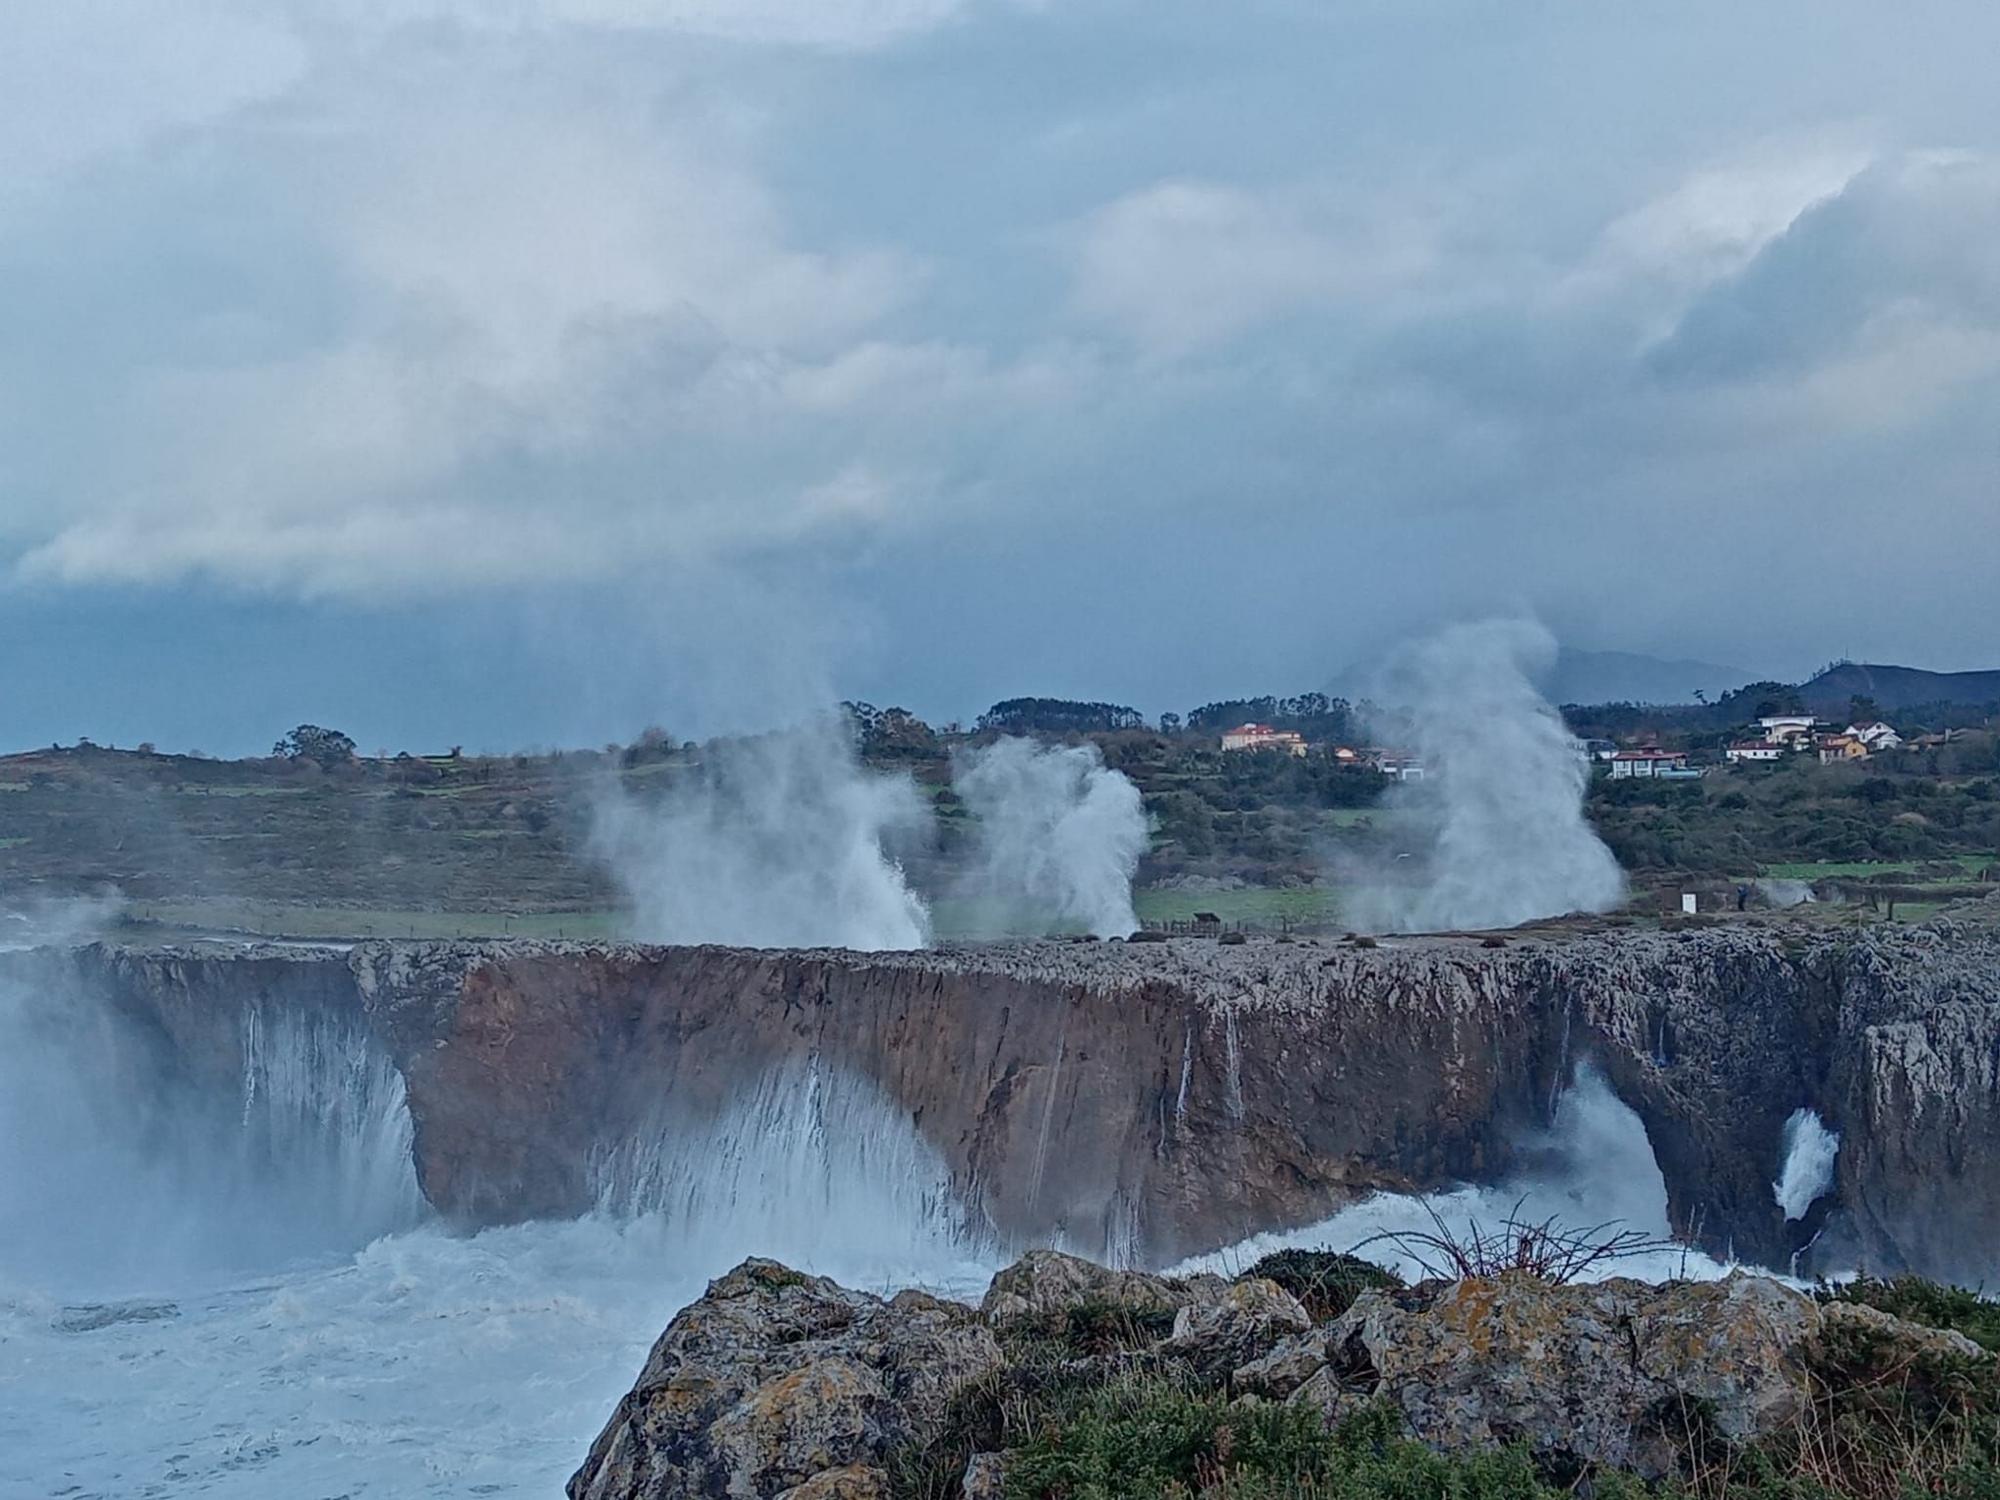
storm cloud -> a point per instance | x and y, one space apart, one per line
1665 327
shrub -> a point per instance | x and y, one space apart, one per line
1926 1302
1547 1248
1324 1281
1153 1438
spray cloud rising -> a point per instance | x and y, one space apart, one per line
782 840
1497 820
1060 837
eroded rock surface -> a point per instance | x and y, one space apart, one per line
1592 1374
777 1384
1041 1288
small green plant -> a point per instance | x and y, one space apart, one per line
1154 1439
1325 1281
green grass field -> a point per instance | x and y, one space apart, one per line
1301 906
1828 869
1305 906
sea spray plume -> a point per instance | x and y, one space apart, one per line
1498 816
1059 838
768 842
1807 1174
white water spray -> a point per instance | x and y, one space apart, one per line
123 1169
771 842
1497 820
1593 1167
1807 1175
1060 838
811 1161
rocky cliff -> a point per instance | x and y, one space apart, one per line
1149 1101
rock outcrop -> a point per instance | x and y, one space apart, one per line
779 1385
1040 1290
1142 1103
1582 1374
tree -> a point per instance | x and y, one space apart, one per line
326 748
1170 723
1059 716
1862 709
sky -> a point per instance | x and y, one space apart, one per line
524 372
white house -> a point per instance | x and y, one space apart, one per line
1755 750
1876 735
1794 730
1628 763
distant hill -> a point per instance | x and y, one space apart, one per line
1895 688
1595 677
1629 677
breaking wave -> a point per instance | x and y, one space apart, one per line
1810 1152
812 1162
285 1135
1593 1167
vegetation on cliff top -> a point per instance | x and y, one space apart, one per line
1089 1408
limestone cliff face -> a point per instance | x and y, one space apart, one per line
1147 1102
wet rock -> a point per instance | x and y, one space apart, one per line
1241 1324
777 1383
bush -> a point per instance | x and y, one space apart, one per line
1148 1438
1324 1281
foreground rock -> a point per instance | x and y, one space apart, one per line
777 1386
1586 1375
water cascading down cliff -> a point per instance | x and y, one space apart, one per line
1135 1102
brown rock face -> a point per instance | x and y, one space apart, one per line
1141 1103
1144 1103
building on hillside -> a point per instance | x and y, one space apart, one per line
1600 749
1794 730
1629 763
1876 735
1345 755
1837 748
1398 765
1753 751
1264 737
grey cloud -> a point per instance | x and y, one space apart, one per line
989 318
1910 239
